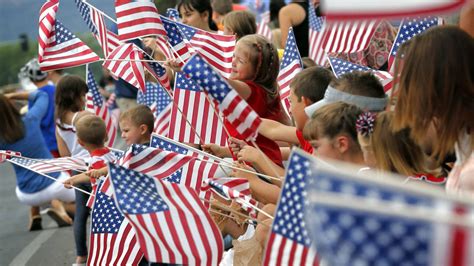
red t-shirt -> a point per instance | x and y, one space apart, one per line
305 145
258 101
99 159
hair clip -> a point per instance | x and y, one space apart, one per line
365 123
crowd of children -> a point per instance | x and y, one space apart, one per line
422 131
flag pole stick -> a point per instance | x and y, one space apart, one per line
50 177
131 60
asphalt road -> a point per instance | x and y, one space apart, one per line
18 246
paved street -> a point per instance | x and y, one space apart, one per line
18 246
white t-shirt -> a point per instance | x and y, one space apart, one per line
68 134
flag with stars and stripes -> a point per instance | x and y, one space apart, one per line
150 161
112 238
173 14
348 36
54 165
344 9
290 242
235 109
228 188
408 29
126 62
47 17
107 39
157 71
160 104
171 224
316 33
64 50
177 41
194 173
290 66
97 104
217 49
341 67
193 117
262 25
373 218
7 154
137 19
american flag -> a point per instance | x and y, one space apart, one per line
150 161
348 36
122 63
95 21
262 25
96 104
316 33
222 187
98 162
194 173
164 47
112 238
198 123
160 104
176 40
371 219
137 19
65 50
46 166
235 109
47 17
290 66
7 154
407 30
111 103
289 242
173 14
341 67
157 71
217 49
343 9
169 219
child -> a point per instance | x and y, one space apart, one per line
306 88
362 89
70 100
197 13
239 23
91 135
442 97
136 125
332 132
391 151
254 73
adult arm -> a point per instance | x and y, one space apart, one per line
290 16
39 104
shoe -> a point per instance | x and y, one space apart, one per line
35 223
58 218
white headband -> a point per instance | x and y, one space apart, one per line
332 95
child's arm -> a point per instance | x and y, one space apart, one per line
219 151
264 165
96 173
80 178
277 131
261 191
241 87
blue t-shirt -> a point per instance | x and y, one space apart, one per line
31 145
47 123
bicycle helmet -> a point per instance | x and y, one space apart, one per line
32 70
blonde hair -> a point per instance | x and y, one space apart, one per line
139 115
394 151
241 23
332 120
91 129
435 88
264 57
